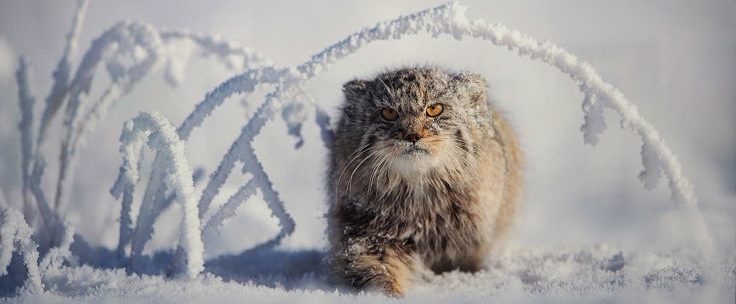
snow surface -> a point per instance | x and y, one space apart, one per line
563 275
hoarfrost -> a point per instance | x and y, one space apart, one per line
15 235
26 101
156 131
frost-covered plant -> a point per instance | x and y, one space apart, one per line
160 135
15 235
171 177
129 51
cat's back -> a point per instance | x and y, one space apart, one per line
500 184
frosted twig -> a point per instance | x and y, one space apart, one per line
26 101
161 136
60 87
154 200
50 226
15 235
32 179
226 51
242 83
49 223
155 197
656 156
253 165
125 39
241 150
321 118
121 41
593 116
124 186
112 47
230 207
151 208
57 255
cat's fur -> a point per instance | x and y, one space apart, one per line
440 203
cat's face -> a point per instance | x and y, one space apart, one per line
413 120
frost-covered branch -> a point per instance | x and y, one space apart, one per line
160 135
231 54
154 201
26 101
230 207
49 227
154 197
56 256
60 86
15 236
122 43
657 158
242 151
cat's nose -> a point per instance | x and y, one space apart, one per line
413 137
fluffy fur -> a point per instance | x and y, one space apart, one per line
442 202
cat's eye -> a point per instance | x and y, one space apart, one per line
389 114
435 110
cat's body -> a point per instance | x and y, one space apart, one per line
423 173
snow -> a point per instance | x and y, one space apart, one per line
144 267
563 275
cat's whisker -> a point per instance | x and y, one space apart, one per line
355 155
376 167
384 193
350 181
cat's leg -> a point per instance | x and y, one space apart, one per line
381 267
473 260
469 259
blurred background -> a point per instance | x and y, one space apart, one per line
676 60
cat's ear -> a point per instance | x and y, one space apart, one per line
355 89
473 84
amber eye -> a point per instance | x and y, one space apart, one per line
435 110
389 114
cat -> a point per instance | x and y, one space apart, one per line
424 173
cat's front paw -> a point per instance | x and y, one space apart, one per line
388 287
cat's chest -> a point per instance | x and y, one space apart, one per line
429 212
